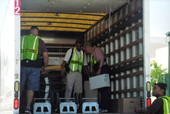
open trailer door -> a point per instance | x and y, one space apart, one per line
146 48
9 56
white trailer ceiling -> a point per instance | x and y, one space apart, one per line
97 9
92 6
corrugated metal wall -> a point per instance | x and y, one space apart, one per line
120 36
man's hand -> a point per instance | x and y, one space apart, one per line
90 74
63 73
43 70
99 71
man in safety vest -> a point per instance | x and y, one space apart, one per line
162 104
98 66
75 59
34 56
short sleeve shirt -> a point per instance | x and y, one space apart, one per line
68 55
156 107
98 54
42 48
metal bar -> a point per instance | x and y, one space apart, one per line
77 13
54 26
56 22
62 18
128 90
128 75
124 47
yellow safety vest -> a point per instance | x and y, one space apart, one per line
92 60
166 104
76 62
29 47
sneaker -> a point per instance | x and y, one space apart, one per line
27 111
103 110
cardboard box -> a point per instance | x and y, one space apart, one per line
99 81
128 104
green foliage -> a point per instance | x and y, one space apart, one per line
168 34
157 73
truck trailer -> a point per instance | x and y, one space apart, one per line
119 27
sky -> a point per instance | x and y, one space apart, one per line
159 17
159 25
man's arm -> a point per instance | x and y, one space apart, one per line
154 108
100 58
63 64
100 66
43 50
65 61
46 59
63 70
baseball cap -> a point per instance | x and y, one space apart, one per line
162 85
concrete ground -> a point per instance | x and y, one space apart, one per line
105 113
95 113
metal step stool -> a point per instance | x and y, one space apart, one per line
90 107
68 107
42 108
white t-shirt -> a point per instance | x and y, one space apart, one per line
68 55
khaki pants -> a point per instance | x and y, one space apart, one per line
73 80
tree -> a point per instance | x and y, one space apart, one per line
157 73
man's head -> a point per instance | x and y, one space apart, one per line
88 48
34 30
159 89
79 44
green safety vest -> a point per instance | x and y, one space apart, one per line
93 63
166 104
29 47
92 60
76 62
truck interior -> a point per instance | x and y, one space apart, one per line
114 25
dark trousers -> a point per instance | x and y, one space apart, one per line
105 91
104 99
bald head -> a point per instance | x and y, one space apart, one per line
34 30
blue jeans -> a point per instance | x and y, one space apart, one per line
31 77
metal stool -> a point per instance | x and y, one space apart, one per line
68 107
90 107
42 107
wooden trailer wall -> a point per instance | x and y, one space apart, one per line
120 35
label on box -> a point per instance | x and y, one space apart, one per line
127 105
